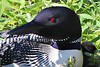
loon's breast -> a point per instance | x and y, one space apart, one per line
61 57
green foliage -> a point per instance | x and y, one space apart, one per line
94 58
19 12
14 13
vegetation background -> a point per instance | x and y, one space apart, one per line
14 13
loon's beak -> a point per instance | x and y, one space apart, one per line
31 27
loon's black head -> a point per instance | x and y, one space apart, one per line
58 23
53 22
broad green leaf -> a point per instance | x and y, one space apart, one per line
86 16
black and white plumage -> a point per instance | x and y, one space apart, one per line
62 31
24 50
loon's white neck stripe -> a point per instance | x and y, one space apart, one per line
61 39
75 41
78 40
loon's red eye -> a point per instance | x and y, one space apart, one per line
52 19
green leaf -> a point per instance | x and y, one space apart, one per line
95 39
95 6
57 4
86 16
97 23
22 2
2 7
88 54
28 17
4 4
70 59
69 1
80 4
98 54
33 1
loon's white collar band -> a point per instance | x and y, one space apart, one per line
78 40
75 41
61 39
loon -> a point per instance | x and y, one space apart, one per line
62 26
